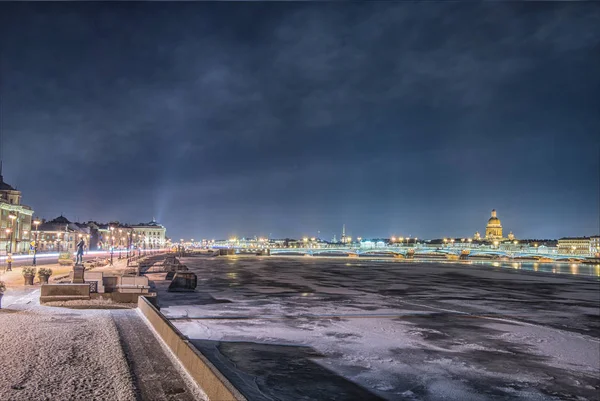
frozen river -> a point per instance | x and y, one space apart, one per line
354 329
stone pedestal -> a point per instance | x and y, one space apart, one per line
78 274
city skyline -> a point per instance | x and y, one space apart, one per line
394 119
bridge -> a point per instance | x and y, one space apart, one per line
424 252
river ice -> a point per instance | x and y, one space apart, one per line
339 328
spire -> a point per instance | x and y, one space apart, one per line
493 212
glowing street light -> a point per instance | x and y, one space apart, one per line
36 223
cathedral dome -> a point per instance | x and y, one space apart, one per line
494 221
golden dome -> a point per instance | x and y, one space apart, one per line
494 220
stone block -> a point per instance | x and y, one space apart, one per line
64 292
183 281
98 277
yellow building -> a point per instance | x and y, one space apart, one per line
493 230
15 220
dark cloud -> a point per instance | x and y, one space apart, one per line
291 118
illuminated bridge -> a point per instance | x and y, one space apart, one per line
422 252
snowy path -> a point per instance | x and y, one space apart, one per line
155 375
58 354
61 354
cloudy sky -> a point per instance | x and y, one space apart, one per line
292 118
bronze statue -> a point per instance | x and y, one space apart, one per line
80 246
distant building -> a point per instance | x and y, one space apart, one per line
575 246
595 246
15 220
493 230
150 235
60 235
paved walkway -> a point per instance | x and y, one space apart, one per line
155 376
51 353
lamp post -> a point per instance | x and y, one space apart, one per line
12 217
120 241
8 255
36 223
112 241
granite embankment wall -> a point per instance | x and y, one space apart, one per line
206 375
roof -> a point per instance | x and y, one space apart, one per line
61 223
4 186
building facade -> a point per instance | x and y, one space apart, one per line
60 235
15 221
493 230
575 246
595 246
150 235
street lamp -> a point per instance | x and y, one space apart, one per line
36 223
13 218
8 256
112 239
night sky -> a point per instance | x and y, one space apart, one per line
291 118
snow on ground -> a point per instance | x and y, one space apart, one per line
399 330
61 354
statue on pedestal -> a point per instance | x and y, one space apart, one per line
80 247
